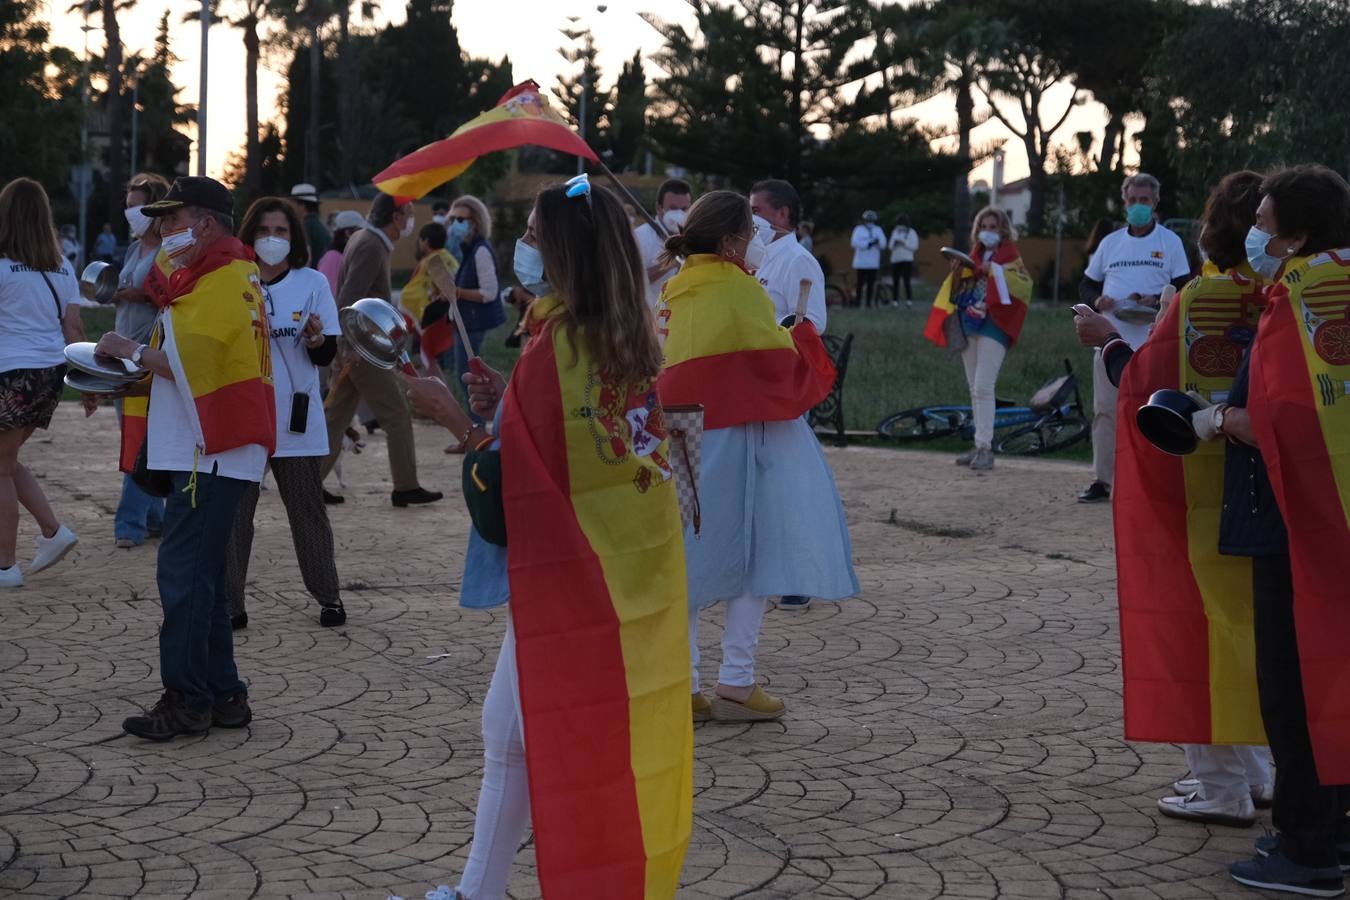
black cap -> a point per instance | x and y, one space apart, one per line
193 190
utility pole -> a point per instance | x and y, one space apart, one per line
85 174
135 117
1059 239
201 92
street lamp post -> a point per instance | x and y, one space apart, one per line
201 94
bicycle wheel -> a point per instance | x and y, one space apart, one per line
1050 433
924 423
883 293
1065 431
834 295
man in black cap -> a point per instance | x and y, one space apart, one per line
210 428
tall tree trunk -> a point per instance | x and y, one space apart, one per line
347 78
1115 126
315 95
1036 180
965 124
116 137
252 155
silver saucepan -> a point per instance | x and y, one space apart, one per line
378 332
98 282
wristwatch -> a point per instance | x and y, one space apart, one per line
136 355
1218 417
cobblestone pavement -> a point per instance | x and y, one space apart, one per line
953 732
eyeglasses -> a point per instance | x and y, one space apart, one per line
458 219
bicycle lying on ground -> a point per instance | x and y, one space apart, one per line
1048 422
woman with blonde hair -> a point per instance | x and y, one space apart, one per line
39 315
579 529
477 289
979 311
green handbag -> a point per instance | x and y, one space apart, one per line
483 492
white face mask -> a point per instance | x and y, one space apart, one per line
137 220
755 252
178 244
674 219
439 218
764 232
990 239
408 226
272 250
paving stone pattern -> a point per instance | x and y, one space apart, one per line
953 732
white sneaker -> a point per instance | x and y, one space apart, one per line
1263 795
1192 807
11 577
50 550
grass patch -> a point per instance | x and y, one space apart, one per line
926 528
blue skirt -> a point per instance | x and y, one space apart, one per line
772 520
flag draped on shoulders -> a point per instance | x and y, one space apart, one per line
1300 412
599 605
1007 290
223 368
724 350
1187 646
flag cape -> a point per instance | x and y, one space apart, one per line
1014 285
600 610
157 281
724 350
523 116
1187 648
1300 411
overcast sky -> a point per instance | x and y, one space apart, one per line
528 30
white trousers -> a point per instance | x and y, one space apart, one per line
1104 395
983 357
504 798
1228 772
740 640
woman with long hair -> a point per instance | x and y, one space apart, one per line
39 315
304 321
140 287
592 683
989 304
772 523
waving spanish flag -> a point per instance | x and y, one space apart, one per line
600 611
1300 411
724 350
1187 648
522 117
1007 286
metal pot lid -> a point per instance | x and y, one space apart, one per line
94 384
81 355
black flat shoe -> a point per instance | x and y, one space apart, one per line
239 621
330 616
415 496
333 499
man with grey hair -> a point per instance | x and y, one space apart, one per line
365 273
1123 281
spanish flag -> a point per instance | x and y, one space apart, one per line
1007 293
223 368
1187 649
724 350
600 611
523 116
1300 411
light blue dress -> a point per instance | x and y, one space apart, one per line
485 583
773 523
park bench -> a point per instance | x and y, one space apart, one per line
827 417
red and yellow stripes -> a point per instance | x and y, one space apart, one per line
1188 652
724 350
599 607
523 116
1009 317
1300 410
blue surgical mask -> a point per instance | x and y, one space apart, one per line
459 230
1138 215
529 268
455 244
1262 262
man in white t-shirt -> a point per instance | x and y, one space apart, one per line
672 207
867 241
786 262
210 428
1123 281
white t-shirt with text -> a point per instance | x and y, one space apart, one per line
289 303
1127 265
30 316
786 264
